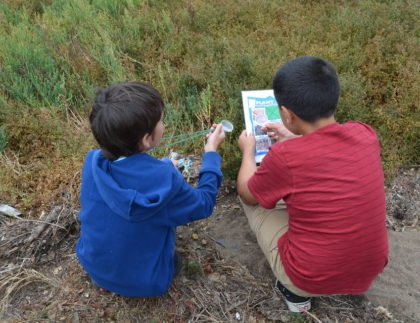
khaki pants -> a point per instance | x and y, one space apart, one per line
269 226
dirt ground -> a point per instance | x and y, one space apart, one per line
225 276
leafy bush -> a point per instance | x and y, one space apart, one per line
30 74
199 55
3 139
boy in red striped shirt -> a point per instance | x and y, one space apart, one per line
317 202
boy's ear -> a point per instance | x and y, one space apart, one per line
145 143
289 115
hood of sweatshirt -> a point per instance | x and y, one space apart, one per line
156 183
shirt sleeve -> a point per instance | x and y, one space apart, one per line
195 203
166 160
273 180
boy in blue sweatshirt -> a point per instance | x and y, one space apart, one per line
131 202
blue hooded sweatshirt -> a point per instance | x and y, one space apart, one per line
129 211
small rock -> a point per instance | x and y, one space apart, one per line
196 246
214 277
9 211
57 270
204 242
383 312
86 295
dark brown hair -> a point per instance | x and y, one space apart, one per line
122 114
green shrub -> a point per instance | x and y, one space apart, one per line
3 139
200 55
29 73
192 270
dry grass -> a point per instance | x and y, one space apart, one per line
41 280
13 282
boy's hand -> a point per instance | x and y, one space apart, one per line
248 167
215 138
175 162
247 143
277 132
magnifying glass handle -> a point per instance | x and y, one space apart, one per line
226 125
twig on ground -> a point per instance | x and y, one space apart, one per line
53 215
236 305
8 268
43 222
216 241
223 310
312 316
12 283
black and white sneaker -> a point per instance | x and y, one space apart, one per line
294 302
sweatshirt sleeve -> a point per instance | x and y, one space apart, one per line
191 204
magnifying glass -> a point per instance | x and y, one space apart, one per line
227 125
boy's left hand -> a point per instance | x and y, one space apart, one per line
215 138
246 142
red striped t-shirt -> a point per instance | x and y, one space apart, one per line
332 183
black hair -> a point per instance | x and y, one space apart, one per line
308 86
122 114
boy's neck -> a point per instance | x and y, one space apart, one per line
308 127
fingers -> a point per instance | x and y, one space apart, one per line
215 138
246 137
271 127
219 128
245 134
213 129
246 142
267 127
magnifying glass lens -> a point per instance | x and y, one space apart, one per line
227 125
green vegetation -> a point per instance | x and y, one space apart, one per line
192 270
199 55
3 139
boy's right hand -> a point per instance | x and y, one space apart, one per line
247 143
277 132
215 138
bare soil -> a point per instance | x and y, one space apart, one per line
225 276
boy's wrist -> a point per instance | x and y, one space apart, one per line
208 148
248 153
